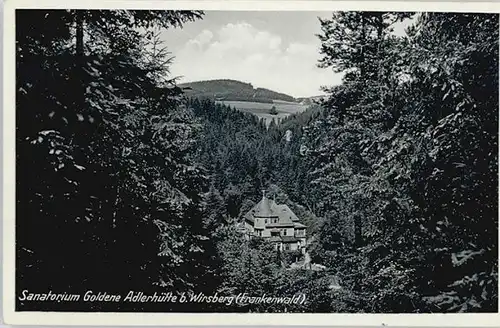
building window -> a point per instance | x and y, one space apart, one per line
284 232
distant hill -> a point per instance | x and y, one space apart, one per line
232 90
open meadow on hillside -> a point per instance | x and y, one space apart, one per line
262 110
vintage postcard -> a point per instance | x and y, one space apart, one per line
256 162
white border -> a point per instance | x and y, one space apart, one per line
73 318
256 5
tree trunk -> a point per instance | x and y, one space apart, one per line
358 238
362 52
115 207
79 33
80 54
380 36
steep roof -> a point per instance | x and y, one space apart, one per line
263 209
284 212
249 217
268 208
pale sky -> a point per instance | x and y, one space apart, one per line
274 50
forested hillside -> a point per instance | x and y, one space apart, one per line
232 90
125 182
108 194
406 162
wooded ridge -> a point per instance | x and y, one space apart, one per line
233 90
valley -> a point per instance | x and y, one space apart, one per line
249 99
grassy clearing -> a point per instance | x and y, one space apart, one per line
261 110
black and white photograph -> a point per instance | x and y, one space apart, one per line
255 161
